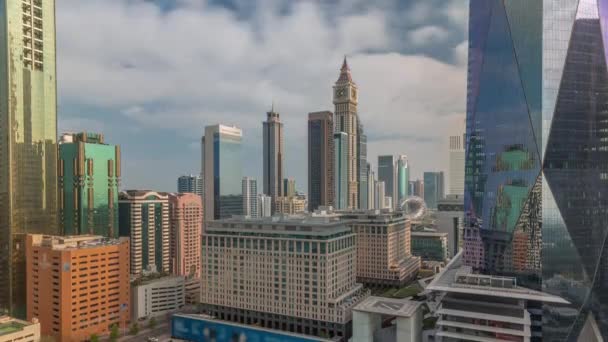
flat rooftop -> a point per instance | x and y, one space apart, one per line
74 241
429 234
292 224
10 325
388 306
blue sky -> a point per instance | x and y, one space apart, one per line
151 74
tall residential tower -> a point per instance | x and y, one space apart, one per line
320 160
274 155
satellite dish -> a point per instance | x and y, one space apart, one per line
414 207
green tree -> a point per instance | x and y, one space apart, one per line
114 332
134 329
94 338
152 323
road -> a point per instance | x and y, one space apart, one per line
161 332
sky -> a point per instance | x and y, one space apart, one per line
151 74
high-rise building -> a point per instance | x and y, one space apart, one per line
379 195
289 187
264 206
341 170
402 181
144 218
419 188
537 155
347 121
250 196
321 175
430 245
289 205
294 274
456 163
77 286
371 187
89 179
274 155
190 184
28 139
186 223
362 167
450 220
387 173
222 171
433 188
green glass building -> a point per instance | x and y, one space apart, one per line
430 246
28 139
89 178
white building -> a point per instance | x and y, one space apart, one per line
15 330
371 188
250 197
370 315
156 297
450 217
379 195
264 206
456 163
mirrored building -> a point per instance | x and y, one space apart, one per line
536 180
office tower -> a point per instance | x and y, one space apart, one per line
158 297
341 170
89 179
384 255
371 183
144 218
264 206
362 167
450 220
276 273
347 121
537 154
186 223
403 181
321 185
388 202
289 205
190 184
77 286
289 187
379 195
274 155
387 173
430 245
433 188
250 196
28 139
18 330
222 171
456 163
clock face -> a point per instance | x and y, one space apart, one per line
340 92
354 92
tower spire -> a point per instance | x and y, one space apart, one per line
345 72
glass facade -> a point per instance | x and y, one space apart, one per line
227 175
28 139
362 159
386 173
341 172
403 180
320 160
433 188
537 153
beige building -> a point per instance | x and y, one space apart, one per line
384 254
296 274
157 297
15 330
289 205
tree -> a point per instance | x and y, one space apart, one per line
114 332
152 323
94 338
134 329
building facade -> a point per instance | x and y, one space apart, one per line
296 274
289 205
158 297
321 186
190 184
222 171
450 220
379 195
402 181
387 173
273 154
433 188
186 223
371 188
419 188
77 285
430 246
28 139
144 218
341 170
264 206
16 330
347 121
250 196
456 163
89 179
362 167
537 154
289 187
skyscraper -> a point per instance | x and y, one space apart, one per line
264 206
186 225
456 164
274 155
433 188
250 197
362 167
289 187
28 139
341 170
403 181
321 184
371 190
222 171
347 121
89 179
537 154
190 184
387 173
380 195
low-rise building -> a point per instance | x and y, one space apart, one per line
295 273
154 297
16 330
289 205
371 316
430 245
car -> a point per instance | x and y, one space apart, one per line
152 339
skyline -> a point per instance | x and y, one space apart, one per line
156 96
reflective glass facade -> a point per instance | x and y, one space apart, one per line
341 171
433 188
362 170
28 138
403 180
320 160
537 153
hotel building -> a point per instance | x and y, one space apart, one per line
186 219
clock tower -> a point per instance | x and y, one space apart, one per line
346 121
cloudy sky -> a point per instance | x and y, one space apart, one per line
152 74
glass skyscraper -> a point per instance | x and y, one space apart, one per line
320 160
28 139
536 179
190 184
386 174
362 167
433 188
222 170
403 180
340 169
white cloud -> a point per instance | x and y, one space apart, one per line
428 35
461 52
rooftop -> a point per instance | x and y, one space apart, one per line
389 306
304 224
9 325
74 242
429 234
